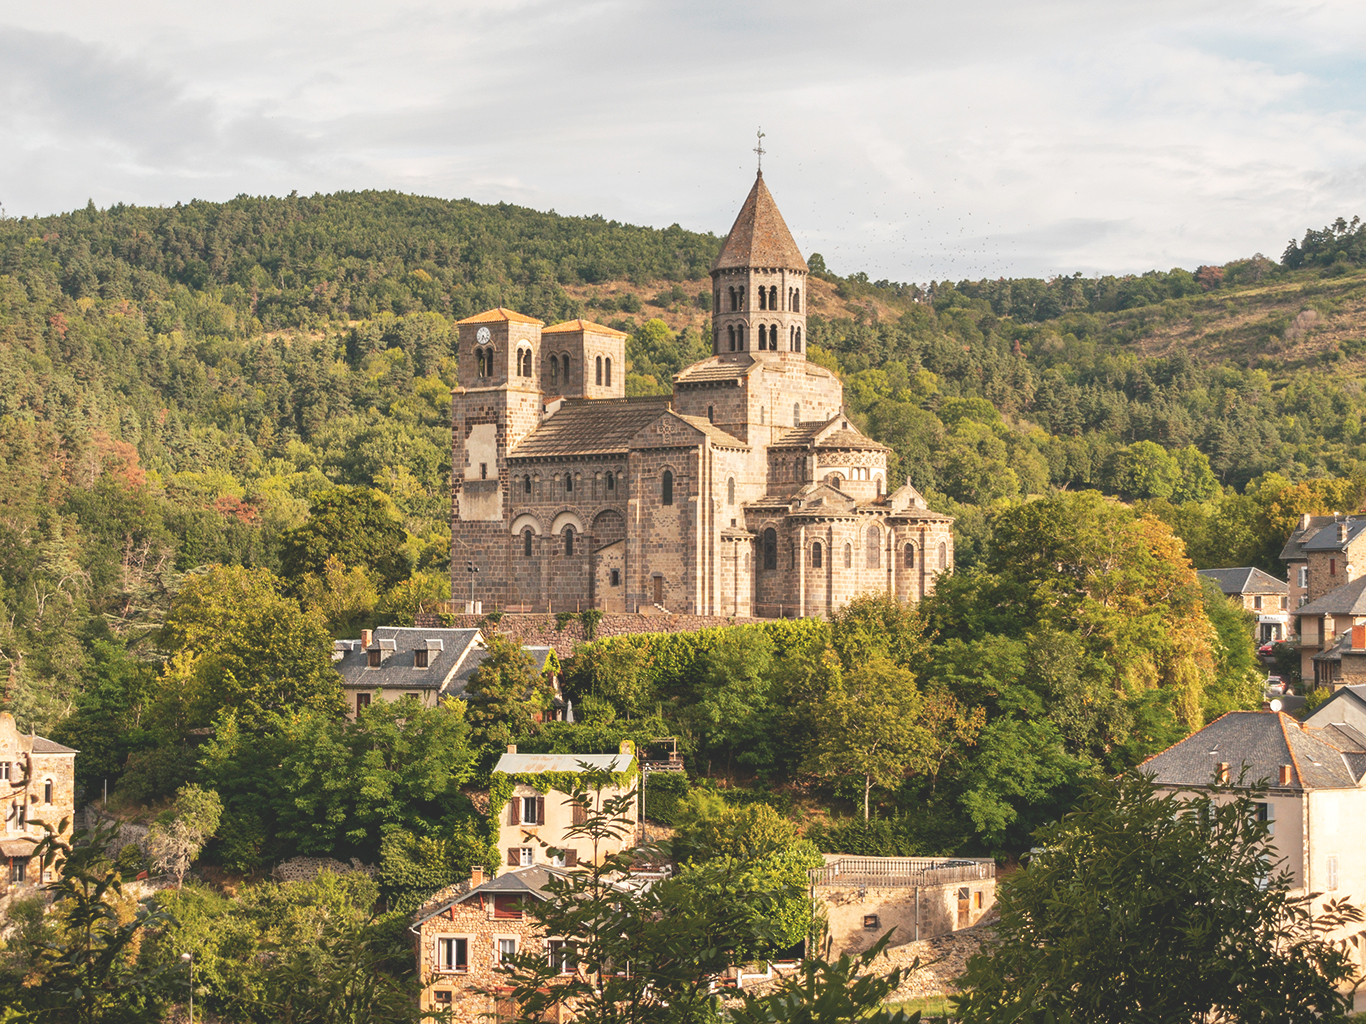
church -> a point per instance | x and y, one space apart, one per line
748 492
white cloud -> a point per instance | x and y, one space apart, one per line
911 140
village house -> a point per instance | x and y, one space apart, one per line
466 931
37 783
430 664
1322 623
1259 593
534 824
918 897
1315 804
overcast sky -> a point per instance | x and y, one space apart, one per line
913 140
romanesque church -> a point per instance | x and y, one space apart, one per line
748 492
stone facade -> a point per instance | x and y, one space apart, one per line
37 784
736 496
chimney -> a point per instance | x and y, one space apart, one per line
367 637
1304 520
1342 532
1221 776
476 875
1285 775
512 748
1359 638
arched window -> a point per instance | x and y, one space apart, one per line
773 297
796 300
878 481
568 540
910 556
770 548
943 555
731 331
740 335
730 491
874 548
711 414
526 542
597 373
789 297
734 303
716 301
799 340
848 556
741 290
526 484
611 481
554 370
569 483
763 412
47 792
796 413
816 555
616 577
667 487
609 371
763 299
565 360
763 337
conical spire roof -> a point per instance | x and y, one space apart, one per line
759 236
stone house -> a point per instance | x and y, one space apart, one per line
428 663
465 932
1321 622
1316 802
919 897
534 823
1259 593
1343 662
37 783
1322 554
747 492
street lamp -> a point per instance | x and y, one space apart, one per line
189 959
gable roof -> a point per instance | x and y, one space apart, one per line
1293 551
1260 742
592 426
1348 599
1326 537
759 237
835 432
1245 580
497 314
587 326
730 366
715 433
522 764
447 651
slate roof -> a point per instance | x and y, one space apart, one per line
1348 599
1261 741
1326 539
1246 580
725 367
396 671
497 314
528 881
592 426
518 764
587 326
759 237
1293 552
43 745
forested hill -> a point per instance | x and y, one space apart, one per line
176 384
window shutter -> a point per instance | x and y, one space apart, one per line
514 857
580 814
571 858
540 810
515 811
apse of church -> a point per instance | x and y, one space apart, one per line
748 492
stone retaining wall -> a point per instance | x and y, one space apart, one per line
304 869
539 629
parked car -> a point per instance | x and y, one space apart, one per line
1268 649
1277 685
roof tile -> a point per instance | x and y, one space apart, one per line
759 237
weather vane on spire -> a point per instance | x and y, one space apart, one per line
760 149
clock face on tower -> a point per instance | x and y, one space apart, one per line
482 336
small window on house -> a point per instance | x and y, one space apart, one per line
770 548
1304 576
848 556
526 543
1257 603
730 491
483 471
1332 567
373 658
816 555
420 658
47 792
874 548
977 898
17 870
1285 603
561 955
611 481
597 371
452 954
507 950
943 555
507 907
362 702
568 483
526 485
609 371
4 771
441 996
910 556
616 577
568 540
667 488
870 921
533 810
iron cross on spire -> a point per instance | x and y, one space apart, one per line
760 149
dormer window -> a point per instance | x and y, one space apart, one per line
420 658
373 658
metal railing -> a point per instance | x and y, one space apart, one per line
902 871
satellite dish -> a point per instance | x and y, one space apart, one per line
1277 704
